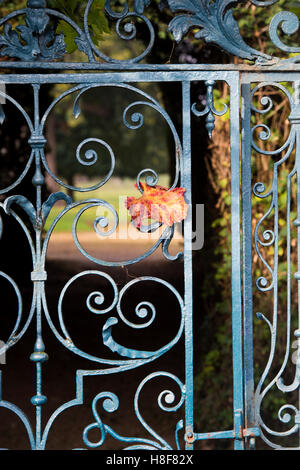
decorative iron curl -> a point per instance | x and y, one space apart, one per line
267 102
111 404
130 29
286 418
264 3
214 20
169 398
259 190
151 178
100 223
91 157
134 358
146 311
97 296
271 237
289 23
137 121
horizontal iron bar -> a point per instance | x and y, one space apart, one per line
281 66
116 77
248 432
251 432
131 76
214 435
275 76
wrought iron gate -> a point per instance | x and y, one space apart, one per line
38 48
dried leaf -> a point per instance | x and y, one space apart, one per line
158 203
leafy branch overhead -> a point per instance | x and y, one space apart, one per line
74 9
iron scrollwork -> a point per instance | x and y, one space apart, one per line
37 215
269 282
111 404
37 35
214 22
37 42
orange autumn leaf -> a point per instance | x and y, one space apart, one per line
157 203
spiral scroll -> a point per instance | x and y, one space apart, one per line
145 311
111 404
37 41
122 22
270 237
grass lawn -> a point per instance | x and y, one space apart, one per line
114 192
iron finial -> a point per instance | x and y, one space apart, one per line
36 4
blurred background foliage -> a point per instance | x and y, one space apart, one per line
211 178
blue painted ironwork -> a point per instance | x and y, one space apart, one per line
37 213
34 44
267 234
213 21
209 109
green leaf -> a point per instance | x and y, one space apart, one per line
75 11
69 34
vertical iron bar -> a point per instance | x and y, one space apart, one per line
247 257
39 355
188 271
237 333
38 254
295 121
